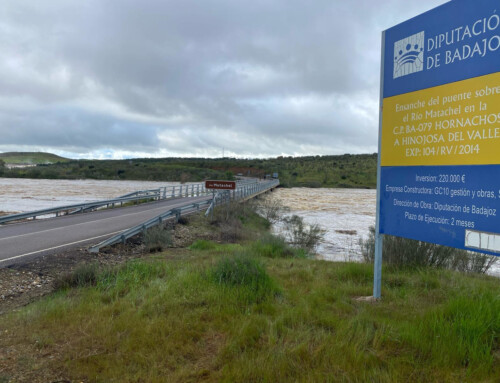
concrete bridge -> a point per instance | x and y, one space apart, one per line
25 240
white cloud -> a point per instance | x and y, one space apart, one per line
124 78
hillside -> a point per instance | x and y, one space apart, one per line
30 158
348 170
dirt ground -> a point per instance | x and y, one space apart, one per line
24 283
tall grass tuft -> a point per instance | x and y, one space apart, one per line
272 246
464 332
130 275
202 244
83 276
246 274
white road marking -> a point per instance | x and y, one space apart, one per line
57 247
87 222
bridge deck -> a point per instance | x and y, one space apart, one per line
29 239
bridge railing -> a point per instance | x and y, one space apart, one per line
68 209
242 192
175 191
166 192
133 231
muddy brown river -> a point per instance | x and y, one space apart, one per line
345 215
21 195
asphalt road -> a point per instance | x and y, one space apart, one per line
23 241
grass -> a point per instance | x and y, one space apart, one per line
272 246
254 311
244 275
220 316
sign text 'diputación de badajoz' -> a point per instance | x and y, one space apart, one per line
440 144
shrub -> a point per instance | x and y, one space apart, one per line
404 252
271 209
157 239
231 231
228 218
183 220
298 234
82 276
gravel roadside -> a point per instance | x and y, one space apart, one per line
24 283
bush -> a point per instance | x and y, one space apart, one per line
404 252
242 271
298 234
231 230
157 239
183 220
271 209
82 276
228 218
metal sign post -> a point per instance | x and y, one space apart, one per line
218 185
213 203
377 266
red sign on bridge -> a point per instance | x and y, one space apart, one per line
221 185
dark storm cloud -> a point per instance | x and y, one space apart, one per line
187 77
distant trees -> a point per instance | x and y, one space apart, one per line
358 171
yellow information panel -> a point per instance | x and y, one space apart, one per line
452 124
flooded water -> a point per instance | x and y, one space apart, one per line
345 215
21 195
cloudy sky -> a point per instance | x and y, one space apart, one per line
161 78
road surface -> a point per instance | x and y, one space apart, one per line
20 242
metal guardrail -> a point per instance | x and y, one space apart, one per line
142 194
133 231
62 209
241 193
176 191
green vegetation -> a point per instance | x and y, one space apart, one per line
272 246
245 276
356 171
254 311
157 239
30 158
216 315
